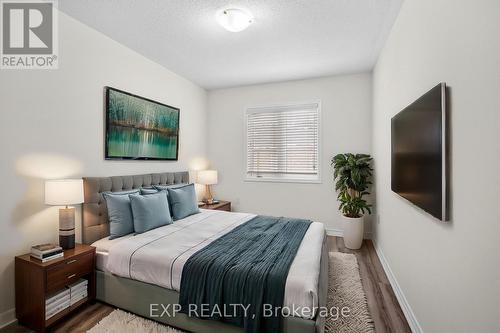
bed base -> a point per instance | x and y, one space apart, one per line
136 297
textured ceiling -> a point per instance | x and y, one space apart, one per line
289 39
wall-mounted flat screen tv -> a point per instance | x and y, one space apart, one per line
138 128
420 153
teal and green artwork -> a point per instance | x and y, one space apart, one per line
139 128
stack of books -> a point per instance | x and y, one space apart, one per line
46 252
78 291
57 302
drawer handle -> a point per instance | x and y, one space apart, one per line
71 276
71 261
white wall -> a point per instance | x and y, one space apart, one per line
345 127
52 127
448 272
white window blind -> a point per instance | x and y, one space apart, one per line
283 142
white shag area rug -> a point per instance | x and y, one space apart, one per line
345 291
120 321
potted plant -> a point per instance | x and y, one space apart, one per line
352 176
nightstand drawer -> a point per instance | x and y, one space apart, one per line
69 271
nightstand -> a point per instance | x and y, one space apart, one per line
222 205
36 280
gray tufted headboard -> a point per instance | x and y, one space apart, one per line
95 223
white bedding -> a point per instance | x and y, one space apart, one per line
158 256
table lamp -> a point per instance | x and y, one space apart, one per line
207 178
65 192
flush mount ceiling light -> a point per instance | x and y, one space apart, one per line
234 19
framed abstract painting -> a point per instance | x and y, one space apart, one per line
138 128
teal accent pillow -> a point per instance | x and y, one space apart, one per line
165 188
121 221
146 191
183 201
150 211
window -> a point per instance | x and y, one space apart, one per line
283 143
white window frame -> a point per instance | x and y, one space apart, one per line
282 178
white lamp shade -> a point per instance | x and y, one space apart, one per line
207 177
63 192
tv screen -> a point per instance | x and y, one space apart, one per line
419 153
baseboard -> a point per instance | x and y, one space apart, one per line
7 317
340 233
334 232
403 302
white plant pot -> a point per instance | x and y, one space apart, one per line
353 232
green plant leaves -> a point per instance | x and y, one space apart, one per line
352 175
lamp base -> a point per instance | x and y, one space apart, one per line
209 200
67 228
67 242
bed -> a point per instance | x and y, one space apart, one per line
134 272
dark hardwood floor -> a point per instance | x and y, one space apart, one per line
382 302
80 321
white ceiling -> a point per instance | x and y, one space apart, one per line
289 39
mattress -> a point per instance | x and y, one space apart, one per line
102 250
158 256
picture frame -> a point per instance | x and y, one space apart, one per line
139 128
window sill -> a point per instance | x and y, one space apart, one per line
282 180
